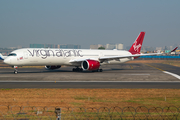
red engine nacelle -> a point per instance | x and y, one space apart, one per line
52 67
90 65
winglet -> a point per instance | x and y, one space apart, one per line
136 47
174 49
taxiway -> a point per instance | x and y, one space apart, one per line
113 76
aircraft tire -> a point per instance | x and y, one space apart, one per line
81 69
15 71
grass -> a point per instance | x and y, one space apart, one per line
5 89
172 62
90 97
94 98
169 62
76 103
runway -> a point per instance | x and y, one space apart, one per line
134 75
92 85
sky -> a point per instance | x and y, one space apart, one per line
86 22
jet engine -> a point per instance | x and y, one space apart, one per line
52 67
90 65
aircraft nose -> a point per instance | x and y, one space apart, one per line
7 61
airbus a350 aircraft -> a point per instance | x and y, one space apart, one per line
82 59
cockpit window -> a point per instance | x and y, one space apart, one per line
12 54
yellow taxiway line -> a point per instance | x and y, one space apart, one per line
154 67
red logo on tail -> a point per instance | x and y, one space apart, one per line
136 47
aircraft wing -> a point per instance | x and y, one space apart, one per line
77 60
83 59
126 56
130 56
101 59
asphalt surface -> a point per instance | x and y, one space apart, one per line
113 76
146 85
165 67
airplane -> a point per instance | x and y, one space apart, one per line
81 59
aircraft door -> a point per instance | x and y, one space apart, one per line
25 55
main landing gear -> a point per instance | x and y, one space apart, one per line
15 70
99 70
77 69
80 70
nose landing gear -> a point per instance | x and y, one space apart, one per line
15 69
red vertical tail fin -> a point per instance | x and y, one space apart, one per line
136 47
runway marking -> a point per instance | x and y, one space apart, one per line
154 67
131 66
136 74
175 75
90 81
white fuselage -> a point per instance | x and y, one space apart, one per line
41 56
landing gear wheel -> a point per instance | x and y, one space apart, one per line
81 69
99 70
77 69
15 71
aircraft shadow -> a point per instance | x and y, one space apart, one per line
20 71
